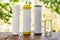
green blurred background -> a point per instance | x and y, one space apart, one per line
52 5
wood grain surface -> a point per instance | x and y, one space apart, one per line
9 36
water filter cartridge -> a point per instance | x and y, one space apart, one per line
26 19
37 19
15 21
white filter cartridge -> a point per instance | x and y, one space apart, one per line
15 21
27 20
37 19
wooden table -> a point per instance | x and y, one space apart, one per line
9 36
4 35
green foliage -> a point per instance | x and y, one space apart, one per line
28 2
5 12
53 30
53 5
14 0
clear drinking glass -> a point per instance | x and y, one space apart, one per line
48 27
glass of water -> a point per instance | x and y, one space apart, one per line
48 27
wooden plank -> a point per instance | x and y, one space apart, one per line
37 37
31 37
43 37
4 35
57 36
14 37
57 33
53 37
26 37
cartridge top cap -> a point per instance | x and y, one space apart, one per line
26 7
38 6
